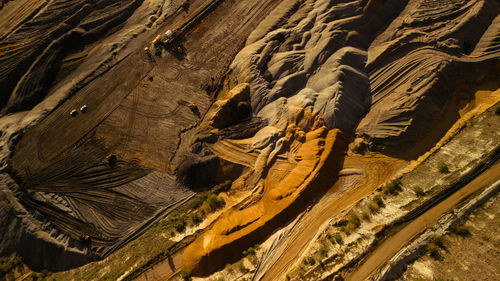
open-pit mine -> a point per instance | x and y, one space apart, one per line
249 139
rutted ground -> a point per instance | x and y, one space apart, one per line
266 94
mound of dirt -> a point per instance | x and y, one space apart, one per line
105 123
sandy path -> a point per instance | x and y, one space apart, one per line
376 170
390 247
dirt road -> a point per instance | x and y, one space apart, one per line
390 246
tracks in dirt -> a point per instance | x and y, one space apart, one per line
376 169
390 246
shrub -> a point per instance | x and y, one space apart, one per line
197 202
242 268
354 220
378 200
438 241
195 218
419 191
249 251
365 215
185 275
323 249
497 110
443 168
212 204
459 230
222 187
179 225
308 261
374 207
392 187
433 251
338 237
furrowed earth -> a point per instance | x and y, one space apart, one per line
248 140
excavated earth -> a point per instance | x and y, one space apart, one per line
271 95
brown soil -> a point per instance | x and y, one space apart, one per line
242 227
471 257
375 169
390 246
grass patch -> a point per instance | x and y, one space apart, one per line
211 204
34 276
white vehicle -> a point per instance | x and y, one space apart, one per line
168 37
83 108
73 113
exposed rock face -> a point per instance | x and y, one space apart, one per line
232 109
312 75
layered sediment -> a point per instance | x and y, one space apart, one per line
267 94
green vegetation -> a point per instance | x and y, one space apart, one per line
178 224
433 251
308 261
249 251
211 204
376 204
378 200
497 110
443 168
338 237
392 187
434 245
222 187
419 191
353 222
335 238
195 218
228 267
459 230
185 275
7 264
242 268
323 250
198 207
365 215
438 240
